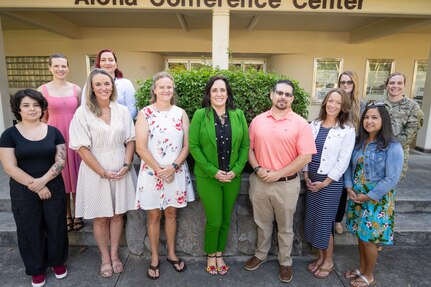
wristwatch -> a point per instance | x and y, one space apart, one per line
175 165
256 169
128 165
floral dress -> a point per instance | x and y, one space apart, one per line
165 142
372 221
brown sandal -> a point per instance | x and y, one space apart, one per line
329 271
154 269
177 262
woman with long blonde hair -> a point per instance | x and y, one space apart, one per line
348 82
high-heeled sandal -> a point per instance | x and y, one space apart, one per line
211 269
222 270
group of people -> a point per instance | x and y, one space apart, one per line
362 151
91 140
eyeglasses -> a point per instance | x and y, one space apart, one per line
375 104
346 82
280 93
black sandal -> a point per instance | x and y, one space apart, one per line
69 224
78 224
177 262
154 268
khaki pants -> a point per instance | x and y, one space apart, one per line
274 201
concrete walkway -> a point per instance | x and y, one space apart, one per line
397 267
404 266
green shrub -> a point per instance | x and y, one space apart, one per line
250 89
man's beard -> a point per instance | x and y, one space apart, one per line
283 107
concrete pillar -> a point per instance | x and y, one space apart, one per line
5 112
220 44
423 140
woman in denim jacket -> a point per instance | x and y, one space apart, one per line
373 173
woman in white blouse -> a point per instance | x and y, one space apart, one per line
102 133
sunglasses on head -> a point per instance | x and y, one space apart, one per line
375 104
346 82
280 93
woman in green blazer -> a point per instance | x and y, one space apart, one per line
219 142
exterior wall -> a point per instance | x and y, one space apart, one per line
141 51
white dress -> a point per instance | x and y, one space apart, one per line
97 196
165 142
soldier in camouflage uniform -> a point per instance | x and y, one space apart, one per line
406 114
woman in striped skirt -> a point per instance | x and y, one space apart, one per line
334 137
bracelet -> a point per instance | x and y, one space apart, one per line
104 174
175 165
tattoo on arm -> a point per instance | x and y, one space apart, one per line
60 159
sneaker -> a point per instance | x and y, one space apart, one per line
253 263
285 274
60 271
38 281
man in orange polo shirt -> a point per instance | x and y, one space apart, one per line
281 144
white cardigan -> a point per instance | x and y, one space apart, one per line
337 150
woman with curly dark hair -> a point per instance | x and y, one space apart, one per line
33 154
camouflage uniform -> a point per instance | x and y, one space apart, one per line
407 118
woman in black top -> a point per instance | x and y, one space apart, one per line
33 155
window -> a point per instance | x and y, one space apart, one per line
185 64
376 73
27 72
248 64
419 76
189 64
90 61
325 76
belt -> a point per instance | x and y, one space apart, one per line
287 178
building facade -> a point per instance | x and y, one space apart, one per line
311 41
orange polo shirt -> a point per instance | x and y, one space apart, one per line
276 143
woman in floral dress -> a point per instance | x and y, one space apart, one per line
373 173
164 182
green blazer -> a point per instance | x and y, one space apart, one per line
203 146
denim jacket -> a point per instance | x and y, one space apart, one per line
382 166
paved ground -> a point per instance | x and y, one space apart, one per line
397 266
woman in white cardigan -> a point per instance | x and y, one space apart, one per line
334 138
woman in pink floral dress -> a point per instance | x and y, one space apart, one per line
164 182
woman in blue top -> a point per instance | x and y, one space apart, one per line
373 173
107 60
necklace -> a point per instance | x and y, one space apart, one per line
165 112
222 118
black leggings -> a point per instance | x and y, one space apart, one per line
341 206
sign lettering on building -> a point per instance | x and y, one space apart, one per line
233 4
